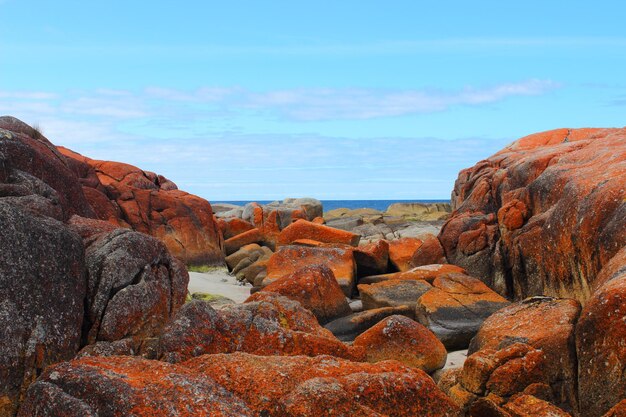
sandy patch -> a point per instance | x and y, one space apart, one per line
218 282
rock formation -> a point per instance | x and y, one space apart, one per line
543 215
150 203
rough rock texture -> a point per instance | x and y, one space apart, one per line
425 272
455 308
124 386
618 411
600 336
302 229
348 327
289 259
402 339
134 285
42 287
392 293
420 211
543 323
315 288
542 216
325 386
372 258
248 237
271 325
401 251
34 175
431 252
233 226
152 204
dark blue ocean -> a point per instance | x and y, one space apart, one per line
351 204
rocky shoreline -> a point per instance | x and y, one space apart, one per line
346 312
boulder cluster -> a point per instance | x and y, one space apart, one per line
528 274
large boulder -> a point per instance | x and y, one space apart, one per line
546 324
325 386
152 204
134 285
235 385
270 325
302 229
425 272
600 336
455 308
402 339
290 258
401 251
34 175
127 386
420 211
392 293
42 288
543 215
315 288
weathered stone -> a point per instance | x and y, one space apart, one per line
401 251
402 339
600 336
303 229
42 287
125 386
392 293
543 215
273 325
348 327
289 259
546 324
315 288
431 252
233 244
134 285
420 211
425 272
455 308
372 258
302 386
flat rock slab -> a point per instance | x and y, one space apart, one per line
455 308
392 293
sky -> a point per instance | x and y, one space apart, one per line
245 100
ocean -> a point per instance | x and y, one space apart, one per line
380 205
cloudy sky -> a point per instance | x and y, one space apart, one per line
238 100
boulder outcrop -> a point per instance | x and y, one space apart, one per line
42 288
543 215
315 288
149 203
455 308
402 339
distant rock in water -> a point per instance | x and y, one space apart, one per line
146 202
542 216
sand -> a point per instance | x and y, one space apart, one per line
218 282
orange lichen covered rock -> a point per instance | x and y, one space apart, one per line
134 285
372 258
348 327
600 336
272 325
546 324
302 386
289 259
530 406
233 226
151 204
392 293
455 308
425 272
233 244
401 251
303 229
542 216
402 339
618 411
315 288
128 386
430 252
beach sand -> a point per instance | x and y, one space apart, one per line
218 282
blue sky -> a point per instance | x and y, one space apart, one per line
335 100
